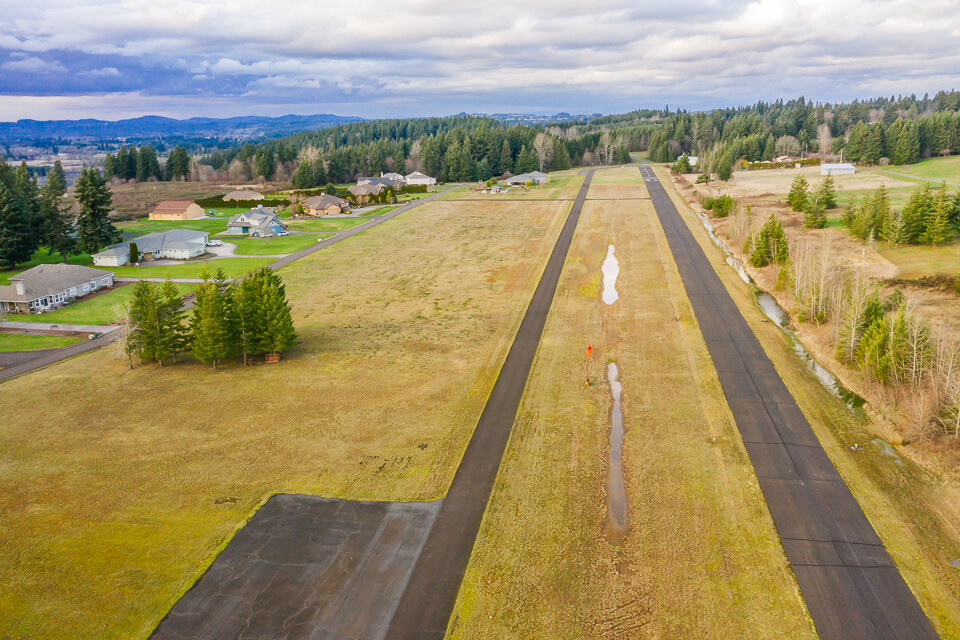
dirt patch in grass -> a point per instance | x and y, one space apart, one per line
702 558
109 496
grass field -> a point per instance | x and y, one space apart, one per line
140 227
109 497
560 184
41 257
19 342
933 168
379 211
913 510
324 224
702 559
915 260
101 309
231 266
272 246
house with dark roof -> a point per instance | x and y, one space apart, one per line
535 177
176 244
324 205
382 181
362 192
177 210
47 286
256 222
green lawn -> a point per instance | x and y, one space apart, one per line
210 225
101 309
271 246
556 187
932 168
917 260
379 211
231 266
324 224
18 342
41 257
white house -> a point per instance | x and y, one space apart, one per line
837 169
176 244
47 286
420 178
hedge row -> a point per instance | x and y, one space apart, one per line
808 162
218 201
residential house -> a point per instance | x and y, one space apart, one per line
396 177
47 286
176 244
243 194
177 210
256 222
536 177
419 178
383 181
837 169
324 205
362 192
781 159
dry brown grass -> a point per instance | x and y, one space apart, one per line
702 559
108 493
768 181
915 507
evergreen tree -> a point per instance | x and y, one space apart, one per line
769 244
303 178
724 171
561 157
875 144
319 174
907 149
94 199
797 198
173 338
134 253
26 191
264 163
683 165
210 340
147 164
938 218
827 192
178 164
484 172
526 160
814 212
15 242
56 223
249 315
769 150
279 334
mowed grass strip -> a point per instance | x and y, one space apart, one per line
101 309
560 185
324 224
272 246
702 558
912 510
20 342
118 487
196 269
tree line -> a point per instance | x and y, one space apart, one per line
142 164
230 319
928 216
32 216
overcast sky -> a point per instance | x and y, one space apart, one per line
122 58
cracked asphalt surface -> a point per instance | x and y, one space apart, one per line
848 580
306 567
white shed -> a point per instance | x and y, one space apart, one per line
837 169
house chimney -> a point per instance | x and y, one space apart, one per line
20 288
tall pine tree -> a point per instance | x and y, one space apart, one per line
94 199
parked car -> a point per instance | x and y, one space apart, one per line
214 243
283 233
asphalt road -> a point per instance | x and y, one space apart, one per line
428 600
848 580
54 356
306 567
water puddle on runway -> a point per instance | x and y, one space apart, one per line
610 270
616 489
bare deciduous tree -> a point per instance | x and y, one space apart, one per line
605 147
824 139
543 145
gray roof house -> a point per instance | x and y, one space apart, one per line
176 244
256 222
324 205
382 181
536 177
47 286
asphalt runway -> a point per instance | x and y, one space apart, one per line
848 580
430 595
306 567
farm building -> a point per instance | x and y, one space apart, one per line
837 169
256 222
47 286
324 205
536 177
177 210
176 244
420 178
243 194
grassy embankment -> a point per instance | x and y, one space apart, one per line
20 342
914 510
111 499
702 558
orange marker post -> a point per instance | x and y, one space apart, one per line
589 349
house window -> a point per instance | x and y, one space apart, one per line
86 287
73 291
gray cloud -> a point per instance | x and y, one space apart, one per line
413 57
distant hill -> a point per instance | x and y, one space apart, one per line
158 126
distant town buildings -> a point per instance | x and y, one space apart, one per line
47 286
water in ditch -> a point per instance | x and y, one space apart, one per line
610 270
616 489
